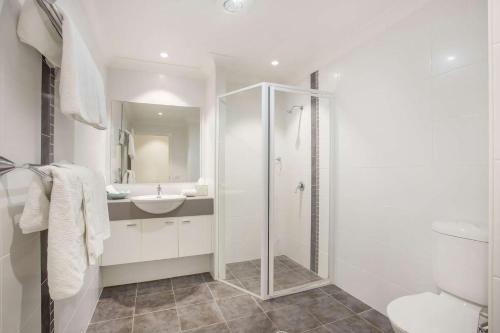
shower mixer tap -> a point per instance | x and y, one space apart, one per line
300 187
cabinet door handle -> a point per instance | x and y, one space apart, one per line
169 222
132 225
186 221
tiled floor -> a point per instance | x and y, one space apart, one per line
197 304
287 274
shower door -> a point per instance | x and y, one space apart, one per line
299 191
273 193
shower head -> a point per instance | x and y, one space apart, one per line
295 108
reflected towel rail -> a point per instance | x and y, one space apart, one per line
7 166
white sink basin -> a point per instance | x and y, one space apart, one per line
158 204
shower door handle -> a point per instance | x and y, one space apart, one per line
300 187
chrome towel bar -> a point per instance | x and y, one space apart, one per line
7 166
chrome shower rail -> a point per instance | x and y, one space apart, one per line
7 166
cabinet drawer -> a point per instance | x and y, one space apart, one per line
159 239
195 235
124 245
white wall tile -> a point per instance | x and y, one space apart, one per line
496 214
495 21
413 146
20 286
494 317
496 98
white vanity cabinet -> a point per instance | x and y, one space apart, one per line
155 239
195 236
159 239
124 245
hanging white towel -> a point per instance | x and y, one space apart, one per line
128 177
35 215
66 252
131 144
81 87
95 210
78 223
34 28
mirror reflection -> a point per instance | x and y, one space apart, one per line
155 143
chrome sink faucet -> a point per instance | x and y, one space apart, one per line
158 190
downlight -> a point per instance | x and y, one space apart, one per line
235 6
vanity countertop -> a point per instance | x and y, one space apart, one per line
125 209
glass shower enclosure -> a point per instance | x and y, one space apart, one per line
273 196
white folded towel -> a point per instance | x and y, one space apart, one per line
67 258
128 177
34 28
191 192
35 215
81 88
78 223
131 144
95 210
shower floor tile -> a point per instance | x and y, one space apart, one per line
287 274
197 304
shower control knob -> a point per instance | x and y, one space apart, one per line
300 187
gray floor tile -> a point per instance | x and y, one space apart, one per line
254 324
114 308
331 289
305 297
291 264
187 281
222 290
199 315
207 277
154 302
293 319
238 306
352 325
377 319
217 328
122 290
321 329
194 295
244 269
156 286
289 279
251 284
351 302
328 310
156 322
273 304
112 326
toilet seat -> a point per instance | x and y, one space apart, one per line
432 313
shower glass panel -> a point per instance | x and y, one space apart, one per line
273 193
242 189
299 189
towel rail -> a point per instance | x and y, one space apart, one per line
7 166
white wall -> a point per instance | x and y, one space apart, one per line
494 48
20 112
411 107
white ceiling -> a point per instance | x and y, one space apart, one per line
301 34
141 113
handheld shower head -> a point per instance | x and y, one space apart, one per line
295 108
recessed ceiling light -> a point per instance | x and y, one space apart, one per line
160 113
164 55
234 6
275 62
451 58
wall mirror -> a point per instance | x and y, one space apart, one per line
154 143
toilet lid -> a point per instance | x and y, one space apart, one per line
431 313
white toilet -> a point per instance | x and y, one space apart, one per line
460 265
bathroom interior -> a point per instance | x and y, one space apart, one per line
203 166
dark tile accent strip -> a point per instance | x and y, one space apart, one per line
46 157
314 175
